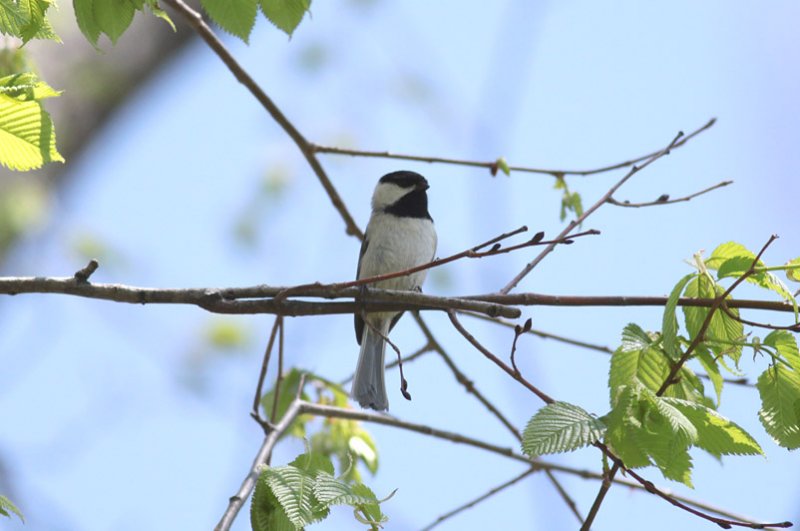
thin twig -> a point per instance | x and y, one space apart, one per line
256 413
497 361
665 200
488 165
792 327
197 23
600 202
474 502
279 376
82 275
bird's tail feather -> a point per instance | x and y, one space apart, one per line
369 388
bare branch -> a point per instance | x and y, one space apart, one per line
473 503
665 200
493 164
600 202
256 413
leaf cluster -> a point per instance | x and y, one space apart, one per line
238 17
659 407
293 496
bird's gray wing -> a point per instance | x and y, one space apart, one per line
359 321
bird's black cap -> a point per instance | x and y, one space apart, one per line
406 179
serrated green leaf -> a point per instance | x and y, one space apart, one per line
669 326
620 421
12 20
648 367
670 454
26 86
266 514
634 338
711 367
293 487
726 251
779 388
37 26
560 427
716 434
27 137
7 507
287 14
237 17
687 386
784 342
793 274
113 17
680 426
724 334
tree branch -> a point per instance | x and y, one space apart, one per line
196 21
665 200
600 202
493 165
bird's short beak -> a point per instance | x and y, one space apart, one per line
423 185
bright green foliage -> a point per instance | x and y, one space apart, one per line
669 327
7 507
793 270
620 422
785 346
779 387
724 334
637 359
341 438
570 201
288 392
27 137
302 492
734 259
560 427
286 14
226 334
111 17
26 19
237 17
711 367
502 165
716 434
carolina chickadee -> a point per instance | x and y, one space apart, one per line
400 235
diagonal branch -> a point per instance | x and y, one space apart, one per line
665 200
197 23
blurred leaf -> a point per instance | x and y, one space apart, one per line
26 86
285 14
226 334
237 17
84 13
23 208
793 274
502 165
7 507
288 391
113 17
27 136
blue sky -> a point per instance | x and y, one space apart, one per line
122 417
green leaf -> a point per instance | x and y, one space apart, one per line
288 392
669 326
287 14
160 13
634 338
670 454
560 427
716 434
293 487
779 388
27 137
113 17
7 507
711 367
620 422
726 251
266 514
648 367
687 386
784 342
26 87
84 13
26 19
793 274
724 335
237 17
229 335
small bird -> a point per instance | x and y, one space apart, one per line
400 235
